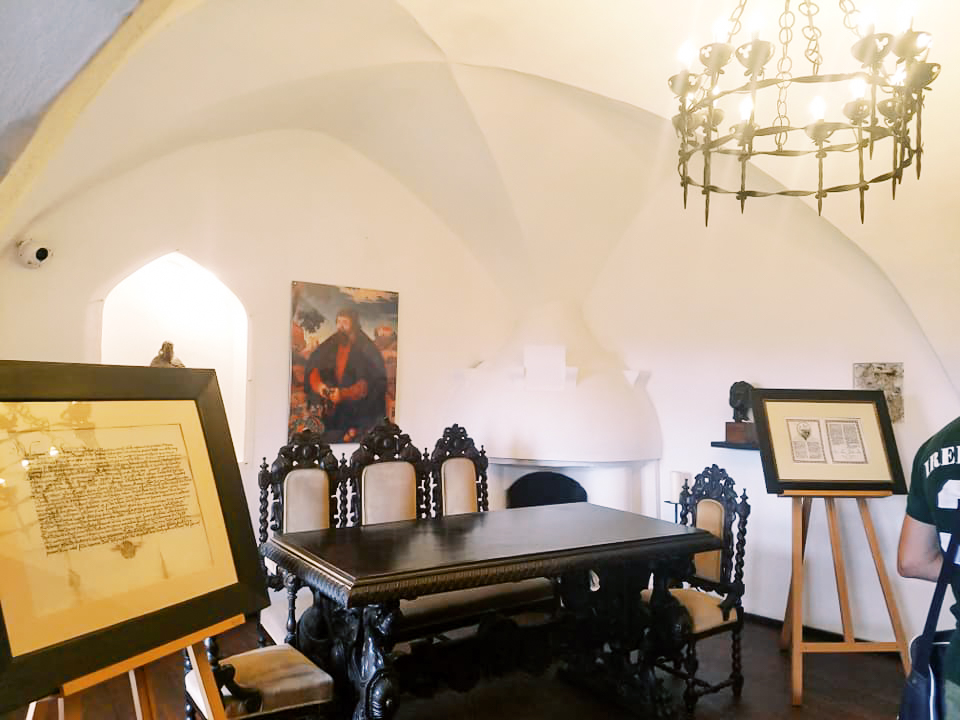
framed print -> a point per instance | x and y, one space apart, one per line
826 440
123 522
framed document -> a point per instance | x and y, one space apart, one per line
826 440
123 522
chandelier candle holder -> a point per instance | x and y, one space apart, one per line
873 121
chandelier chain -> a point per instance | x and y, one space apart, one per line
851 17
784 75
812 33
734 19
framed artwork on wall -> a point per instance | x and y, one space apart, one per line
123 522
343 360
826 440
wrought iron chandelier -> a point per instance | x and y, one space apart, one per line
878 119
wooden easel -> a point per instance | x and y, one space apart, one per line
792 634
73 707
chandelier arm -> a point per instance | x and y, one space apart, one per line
747 87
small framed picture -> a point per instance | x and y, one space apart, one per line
827 440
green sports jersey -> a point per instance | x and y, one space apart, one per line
934 493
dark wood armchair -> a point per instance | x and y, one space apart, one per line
460 473
271 683
301 490
712 592
388 479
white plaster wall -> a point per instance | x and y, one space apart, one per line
174 299
260 212
775 298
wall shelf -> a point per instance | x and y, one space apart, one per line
734 446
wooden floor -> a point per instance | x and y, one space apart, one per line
839 687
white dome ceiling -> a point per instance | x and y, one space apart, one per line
535 130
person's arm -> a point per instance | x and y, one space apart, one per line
918 555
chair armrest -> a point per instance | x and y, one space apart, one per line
732 600
250 698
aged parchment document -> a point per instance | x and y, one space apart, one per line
108 511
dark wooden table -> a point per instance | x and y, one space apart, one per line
365 571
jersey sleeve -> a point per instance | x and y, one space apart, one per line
918 507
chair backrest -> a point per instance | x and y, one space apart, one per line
388 478
301 488
460 473
712 505
544 488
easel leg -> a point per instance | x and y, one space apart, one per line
198 658
787 615
796 592
839 569
885 585
142 696
72 708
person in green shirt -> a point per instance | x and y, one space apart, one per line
933 497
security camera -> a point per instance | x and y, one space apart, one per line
32 254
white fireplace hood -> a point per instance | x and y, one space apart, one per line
553 394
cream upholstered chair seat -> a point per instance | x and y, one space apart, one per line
704 609
285 678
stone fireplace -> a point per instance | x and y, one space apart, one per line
554 400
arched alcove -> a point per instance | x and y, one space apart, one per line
173 298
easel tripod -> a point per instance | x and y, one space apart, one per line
792 634
135 667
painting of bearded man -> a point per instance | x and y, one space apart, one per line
339 380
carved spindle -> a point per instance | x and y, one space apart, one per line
263 480
292 583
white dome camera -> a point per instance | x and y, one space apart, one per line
32 253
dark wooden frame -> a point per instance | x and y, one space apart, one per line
43 672
776 485
387 443
456 443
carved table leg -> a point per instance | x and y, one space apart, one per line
371 664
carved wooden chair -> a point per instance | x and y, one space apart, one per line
268 683
460 473
301 490
388 479
712 592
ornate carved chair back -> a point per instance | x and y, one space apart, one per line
389 479
301 490
459 473
712 505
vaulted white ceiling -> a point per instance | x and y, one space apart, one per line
533 128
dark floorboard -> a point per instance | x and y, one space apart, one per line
838 687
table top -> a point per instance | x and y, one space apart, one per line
372 563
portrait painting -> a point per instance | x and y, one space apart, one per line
343 360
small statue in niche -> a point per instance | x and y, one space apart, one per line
740 393
166 358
